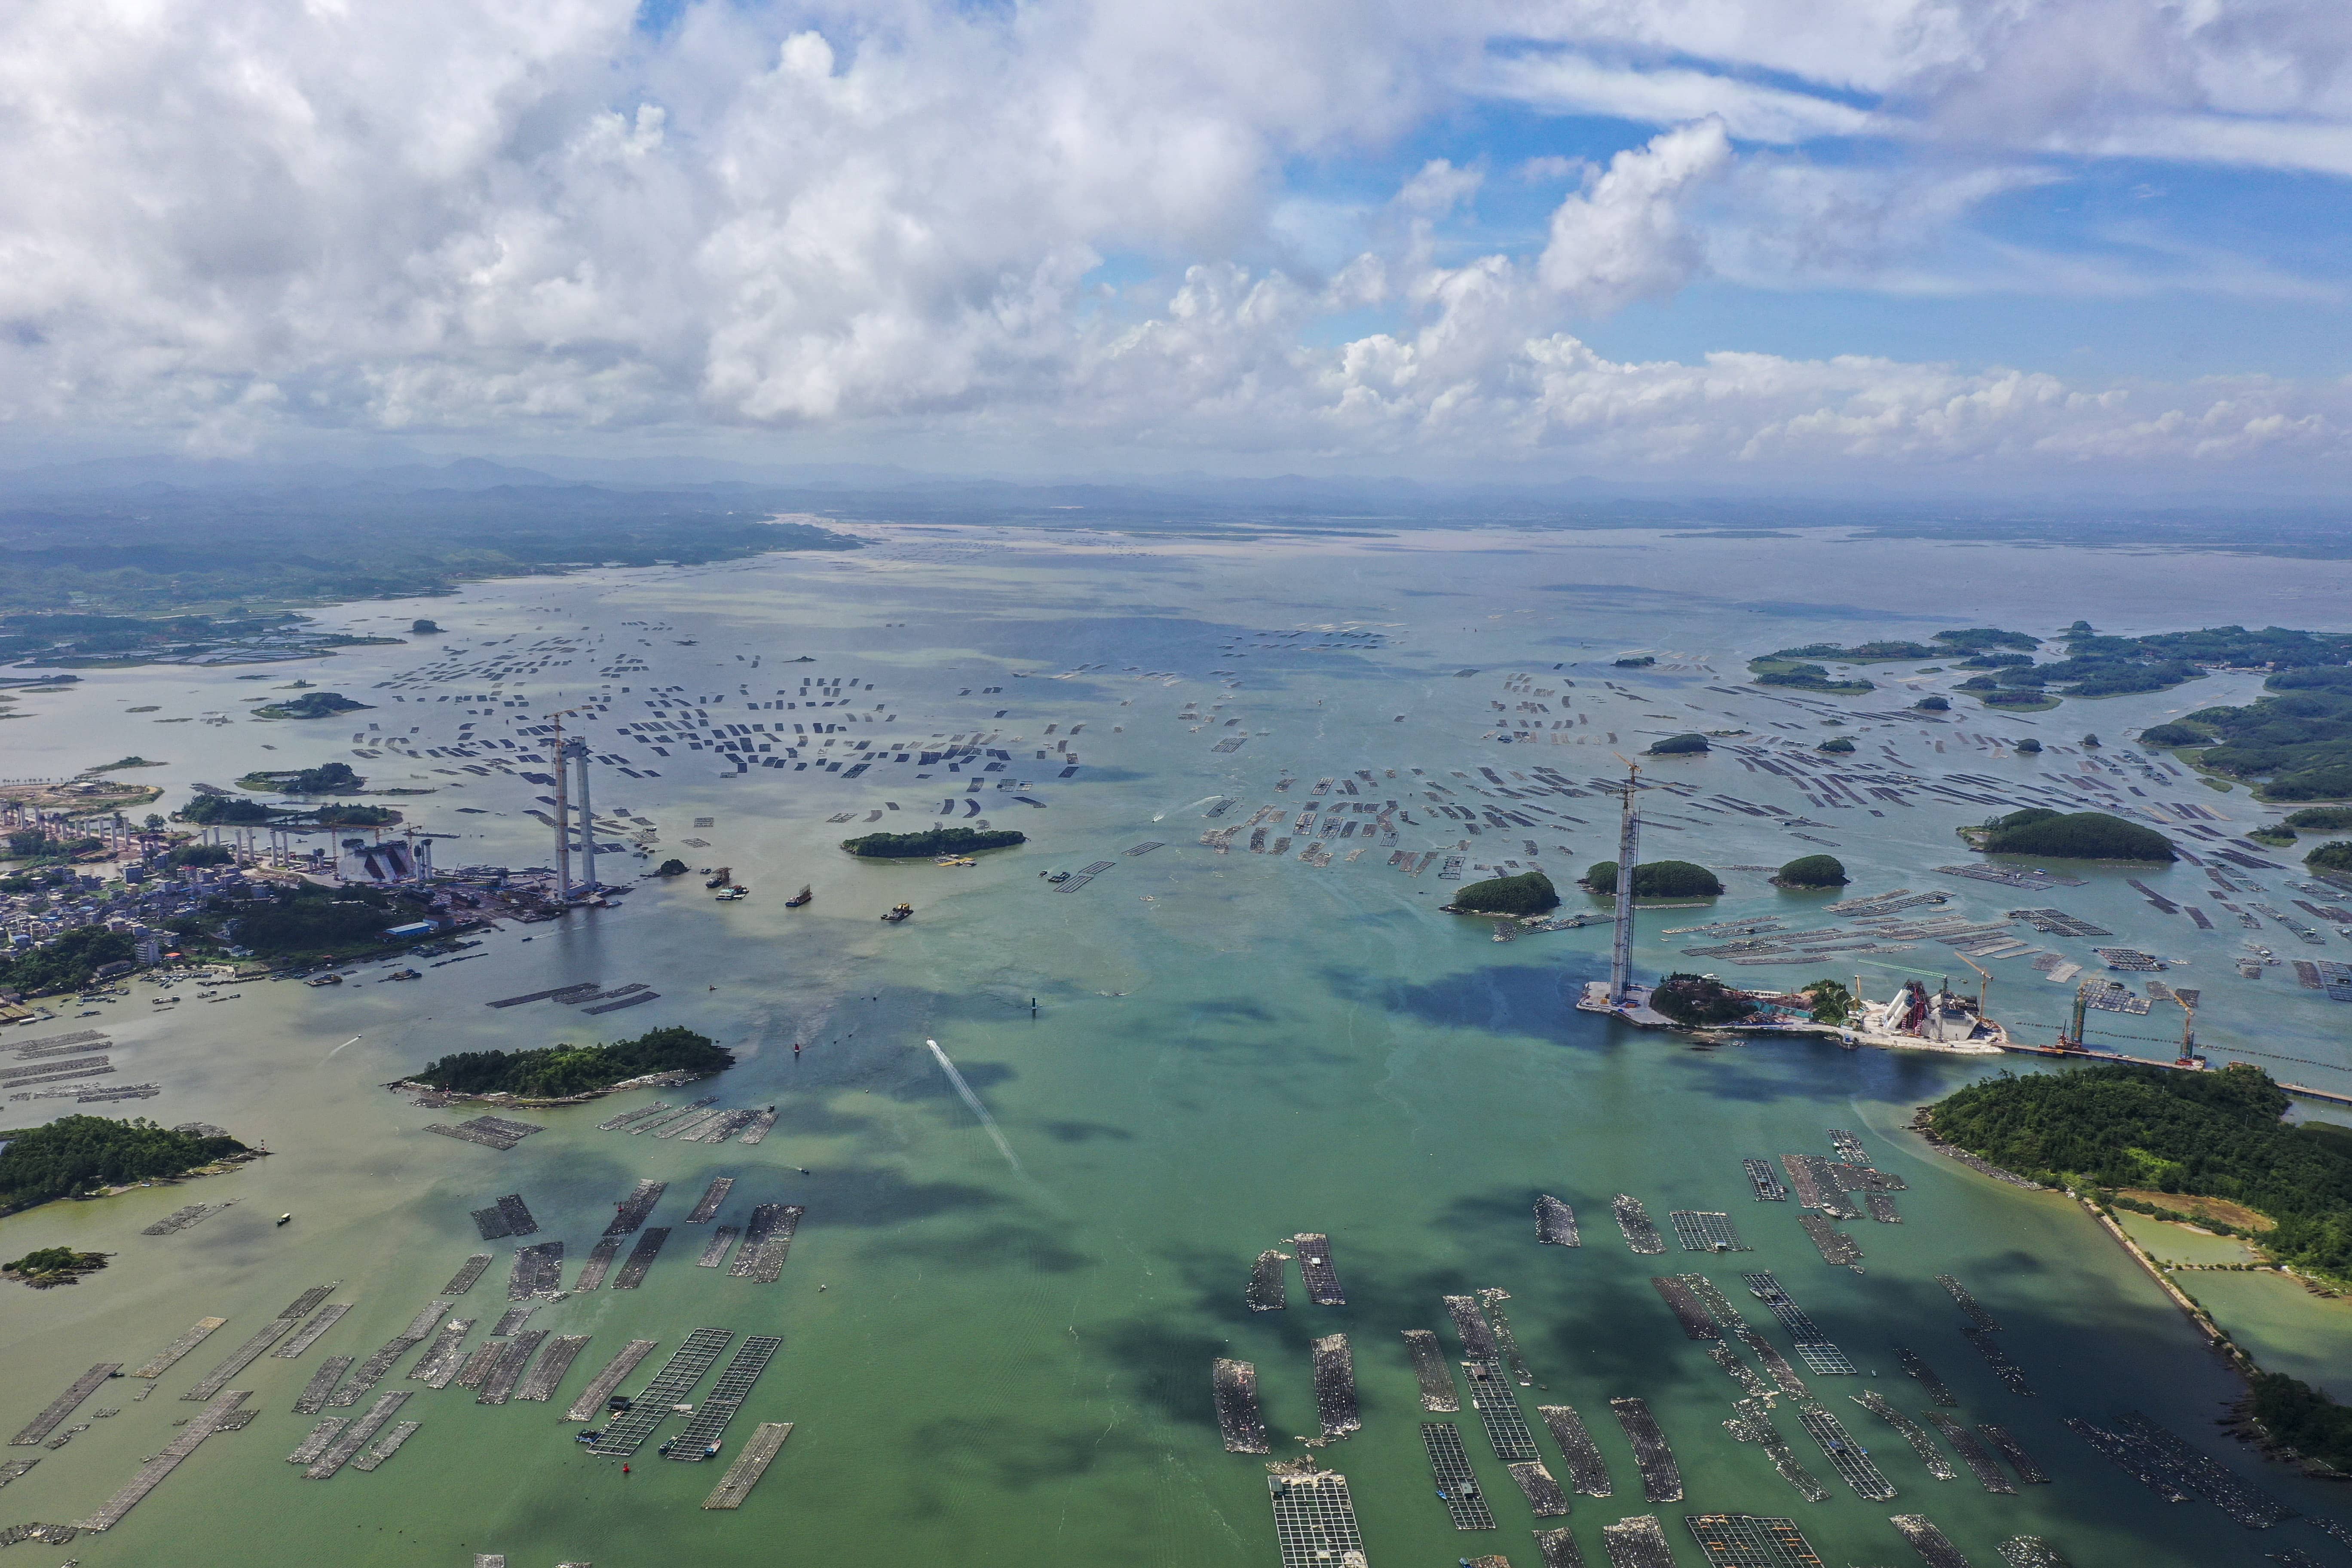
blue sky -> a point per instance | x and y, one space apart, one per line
1854 240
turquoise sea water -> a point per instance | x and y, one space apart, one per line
1009 1361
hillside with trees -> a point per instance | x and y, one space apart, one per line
79 1154
2069 836
1529 893
2214 1134
554 1072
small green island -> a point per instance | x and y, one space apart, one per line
49 1266
75 1155
1775 669
1529 893
562 1072
2069 836
931 843
1657 879
2336 855
1696 1001
1677 745
2320 819
327 778
311 705
1811 872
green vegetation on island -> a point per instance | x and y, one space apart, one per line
1695 1000
1657 879
1811 872
932 842
311 705
1640 661
48 1267
2212 1134
2029 747
1677 745
557 1072
2320 819
673 866
66 962
86 1153
2302 1417
1837 745
2336 855
327 778
1807 678
1529 893
1934 705
210 810
2293 744
2069 836
423 628
133 760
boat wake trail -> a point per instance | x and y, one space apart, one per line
972 1100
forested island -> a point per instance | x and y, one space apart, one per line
1657 879
87 1154
932 842
1811 872
1678 745
2212 1134
2069 836
557 1072
2294 745
311 705
1529 893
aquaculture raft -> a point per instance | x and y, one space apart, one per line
1314 1519
1557 1549
1315 1268
1543 1494
704 1428
1637 1543
1555 1221
707 1208
628 1432
1334 1386
1437 1393
1930 1543
591 1402
1499 1412
1922 1443
1235 1385
641 1258
1470 1324
631 1211
1702 1230
1745 1541
1926 1375
463 1279
63 1404
767 1243
1586 1469
1662 1479
214 1415
1457 1484
1973 1452
321 1322
1688 1308
1268 1284
1845 1455
313 1398
1641 1234
715 1251
759 1452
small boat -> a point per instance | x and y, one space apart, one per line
797 900
1057 877
900 913
721 878
285 1218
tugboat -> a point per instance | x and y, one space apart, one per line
899 913
797 900
721 878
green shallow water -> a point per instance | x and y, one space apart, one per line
1010 1365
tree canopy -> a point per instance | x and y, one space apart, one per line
2216 1133
1657 879
1529 893
1811 872
932 842
75 1154
2073 836
555 1071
